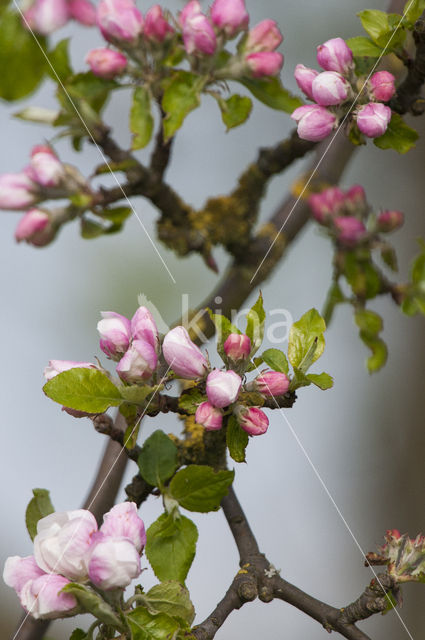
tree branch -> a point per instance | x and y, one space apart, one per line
408 98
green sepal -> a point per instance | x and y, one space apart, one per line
93 603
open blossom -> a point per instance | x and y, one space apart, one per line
314 122
17 191
210 417
183 356
223 387
18 571
62 541
265 36
58 366
106 63
156 26
373 119
335 55
330 88
45 16
230 15
350 230
252 420
42 597
114 330
113 562
382 86
35 228
304 77
119 20
138 363
123 521
264 63
143 327
45 167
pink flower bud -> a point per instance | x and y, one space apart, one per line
389 221
115 334
230 15
83 11
138 363
252 420
304 78
58 366
106 63
42 598
223 387
382 86
264 63
123 521
45 167
18 571
45 16
192 9
198 35
350 230
314 122
143 327
373 119
119 20
35 228
355 198
183 356
265 36
113 562
335 55
237 346
17 191
271 383
210 417
62 542
156 27
326 204
329 88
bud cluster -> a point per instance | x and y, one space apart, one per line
45 178
333 90
404 556
348 217
69 547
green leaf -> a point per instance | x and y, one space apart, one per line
59 61
200 488
141 120
271 93
298 380
181 96
306 342
118 215
276 360
255 320
368 321
361 274
22 60
146 626
237 440
413 10
362 46
398 136
158 458
235 110
78 634
136 394
90 229
171 546
389 257
375 23
191 399
91 602
38 507
223 329
173 599
83 389
379 351
322 380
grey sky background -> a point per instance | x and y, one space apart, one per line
365 437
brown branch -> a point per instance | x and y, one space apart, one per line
408 97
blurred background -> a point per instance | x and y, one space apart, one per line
365 437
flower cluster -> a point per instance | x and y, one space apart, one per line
46 177
70 547
203 36
404 556
348 218
45 16
333 90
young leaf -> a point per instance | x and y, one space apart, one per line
90 229
200 488
146 626
276 360
91 602
235 110
375 23
158 458
78 634
369 321
190 399
255 319
181 95
171 547
362 46
398 136
413 10
237 440
136 394
83 389
379 351
117 215
59 61
322 380
271 93
141 120
306 342
173 599
38 507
